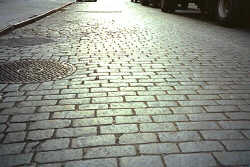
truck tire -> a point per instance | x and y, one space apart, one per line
144 2
228 11
168 5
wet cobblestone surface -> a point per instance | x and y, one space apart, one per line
150 89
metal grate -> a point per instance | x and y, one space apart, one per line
29 71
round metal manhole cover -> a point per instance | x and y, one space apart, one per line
30 71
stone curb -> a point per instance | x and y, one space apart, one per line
31 20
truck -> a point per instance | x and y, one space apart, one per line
226 12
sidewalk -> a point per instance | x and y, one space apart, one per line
16 11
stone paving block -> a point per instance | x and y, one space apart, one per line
235 124
158 148
7 105
76 132
103 90
236 145
84 95
16 93
170 118
37 103
171 97
146 161
239 116
197 103
124 128
181 136
137 138
132 88
110 151
58 97
74 114
197 125
40 134
152 111
51 165
128 105
221 134
33 98
233 158
132 119
162 104
56 108
14 160
49 124
244 108
190 160
107 100
14 137
139 98
16 127
21 110
207 117
201 146
181 92
114 84
157 88
30 117
15 148
156 127
148 93
231 102
221 108
93 106
92 121
126 80
203 97
93 85
12 87
109 162
114 112
54 144
93 141
74 91
14 99
124 93
42 92
74 101
58 156
29 87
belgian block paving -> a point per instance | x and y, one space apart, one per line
151 89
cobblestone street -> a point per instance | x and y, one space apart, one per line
150 89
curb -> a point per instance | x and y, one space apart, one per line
32 20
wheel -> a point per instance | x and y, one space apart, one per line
184 5
168 5
144 2
228 11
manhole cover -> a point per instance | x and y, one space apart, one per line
29 71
